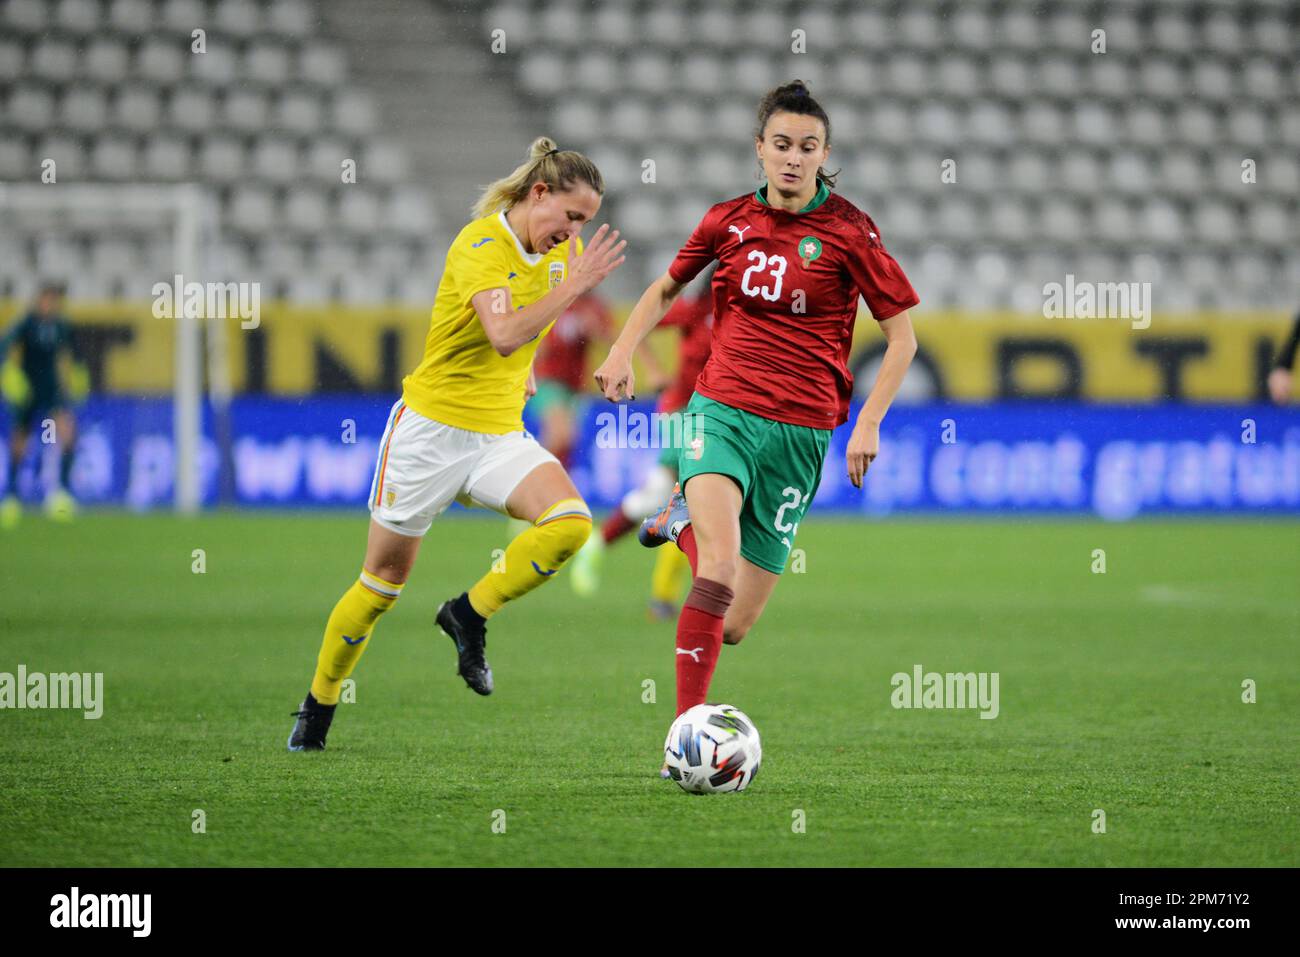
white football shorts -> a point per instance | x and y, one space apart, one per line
424 465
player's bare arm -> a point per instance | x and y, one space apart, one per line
508 329
615 374
864 443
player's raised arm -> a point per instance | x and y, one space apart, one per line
615 374
508 329
11 335
1279 379
864 443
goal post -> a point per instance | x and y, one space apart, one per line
190 212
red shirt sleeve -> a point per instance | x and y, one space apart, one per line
878 276
699 251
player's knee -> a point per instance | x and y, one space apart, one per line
395 574
721 570
568 524
385 579
576 534
735 633
737 624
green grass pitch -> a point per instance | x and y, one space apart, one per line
1119 691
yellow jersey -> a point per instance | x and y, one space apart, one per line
462 381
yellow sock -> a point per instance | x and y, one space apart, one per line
534 556
348 632
672 570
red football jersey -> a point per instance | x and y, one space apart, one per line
562 355
694 317
785 301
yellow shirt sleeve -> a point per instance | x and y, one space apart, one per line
479 263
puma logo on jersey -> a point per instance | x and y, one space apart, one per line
738 232
694 653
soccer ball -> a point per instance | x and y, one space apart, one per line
713 748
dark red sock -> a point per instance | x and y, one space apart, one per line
686 542
699 639
616 526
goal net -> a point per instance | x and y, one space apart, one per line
116 247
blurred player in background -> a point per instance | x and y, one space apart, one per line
561 372
457 432
693 317
1280 379
37 389
793 258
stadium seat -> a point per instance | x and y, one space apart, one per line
359 210
166 158
217 66
84 109
137 108
322 64
53 59
291 18
114 157
275 159
221 159
192 109
68 152
354 113
105 60
252 209
131 17
239 18
15 160
266 63
26 16
162 61
180 17
77 16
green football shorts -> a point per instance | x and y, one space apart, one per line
777 466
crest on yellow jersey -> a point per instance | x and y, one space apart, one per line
556 274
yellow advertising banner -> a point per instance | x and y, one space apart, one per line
294 350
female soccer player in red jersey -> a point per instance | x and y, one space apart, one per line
793 258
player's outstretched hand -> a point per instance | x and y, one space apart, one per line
14 385
599 258
864 446
615 378
1279 386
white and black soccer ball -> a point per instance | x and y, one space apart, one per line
713 748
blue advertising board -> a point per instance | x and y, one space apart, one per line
1117 462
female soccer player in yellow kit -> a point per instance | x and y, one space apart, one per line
457 432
